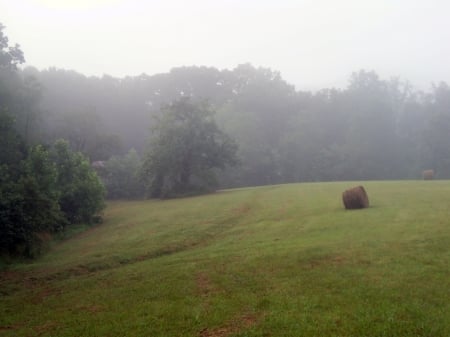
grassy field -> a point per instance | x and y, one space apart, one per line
282 260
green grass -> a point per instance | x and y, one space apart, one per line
282 260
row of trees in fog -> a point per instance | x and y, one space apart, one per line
372 129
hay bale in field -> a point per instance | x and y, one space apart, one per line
428 174
355 198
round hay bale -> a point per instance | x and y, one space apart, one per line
355 198
428 174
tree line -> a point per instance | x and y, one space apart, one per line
372 129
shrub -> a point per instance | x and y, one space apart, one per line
81 191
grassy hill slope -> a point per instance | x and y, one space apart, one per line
282 260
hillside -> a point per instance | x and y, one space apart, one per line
283 260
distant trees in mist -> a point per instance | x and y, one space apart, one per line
372 129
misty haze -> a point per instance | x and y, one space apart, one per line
226 168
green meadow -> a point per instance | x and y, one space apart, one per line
283 260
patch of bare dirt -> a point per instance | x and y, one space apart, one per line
204 284
93 309
231 327
242 209
8 275
42 294
333 260
46 327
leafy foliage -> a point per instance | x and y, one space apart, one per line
81 191
185 147
42 192
29 199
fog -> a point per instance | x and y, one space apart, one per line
314 44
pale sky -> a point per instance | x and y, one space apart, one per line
314 44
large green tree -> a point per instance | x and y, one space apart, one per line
185 147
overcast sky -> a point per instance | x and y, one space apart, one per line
314 44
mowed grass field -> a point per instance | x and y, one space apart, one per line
283 260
